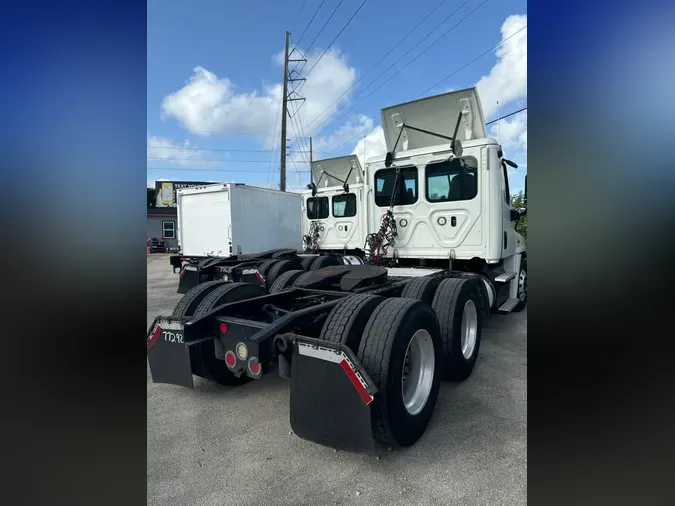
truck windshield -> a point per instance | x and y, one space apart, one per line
452 180
404 194
317 208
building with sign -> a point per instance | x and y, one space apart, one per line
163 216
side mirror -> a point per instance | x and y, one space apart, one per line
516 214
388 159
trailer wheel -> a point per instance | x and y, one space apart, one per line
325 261
206 362
307 262
421 289
285 280
522 286
188 304
402 352
279 268
345 323
457 306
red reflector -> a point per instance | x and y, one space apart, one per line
260 278
182 272
254 367
230 359
223 328
153 338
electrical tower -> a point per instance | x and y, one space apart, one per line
287 97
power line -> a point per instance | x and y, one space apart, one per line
297 17
356 136
406 65
507 116
472 61
332 42
308 24
324 26
197 169
217 149
380 61
208 159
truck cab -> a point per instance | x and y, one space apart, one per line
446 184
333 217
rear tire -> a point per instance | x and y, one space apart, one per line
348 319
325 261
188 304
265 267
206 362
457 306
302 278
307 262
279 268
391 329
285 280
421 289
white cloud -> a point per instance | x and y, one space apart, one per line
374 144
208 104
163 150
512 132
507 81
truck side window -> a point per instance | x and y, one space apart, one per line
317 208
344 206
406 192
451 181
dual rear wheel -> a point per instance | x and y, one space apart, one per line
407 345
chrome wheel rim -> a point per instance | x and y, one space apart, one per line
418 372
522 285
469 329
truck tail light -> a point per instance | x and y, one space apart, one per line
254 367
230 360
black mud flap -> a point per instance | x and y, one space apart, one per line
330 396
188 278
168 355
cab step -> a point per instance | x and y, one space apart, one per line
504 277
508 306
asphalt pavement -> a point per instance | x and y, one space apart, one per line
218 446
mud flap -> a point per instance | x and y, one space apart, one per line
189 278
168 354
330 396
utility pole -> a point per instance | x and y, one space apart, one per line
284 103
310 154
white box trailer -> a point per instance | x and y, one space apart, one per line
228 219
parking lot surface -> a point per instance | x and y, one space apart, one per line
215 445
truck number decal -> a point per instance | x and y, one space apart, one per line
173 337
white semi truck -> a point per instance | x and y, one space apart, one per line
333 212
366 346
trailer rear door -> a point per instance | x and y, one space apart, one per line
204 221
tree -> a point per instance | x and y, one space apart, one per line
152 196
518 201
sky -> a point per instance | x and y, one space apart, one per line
215 80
